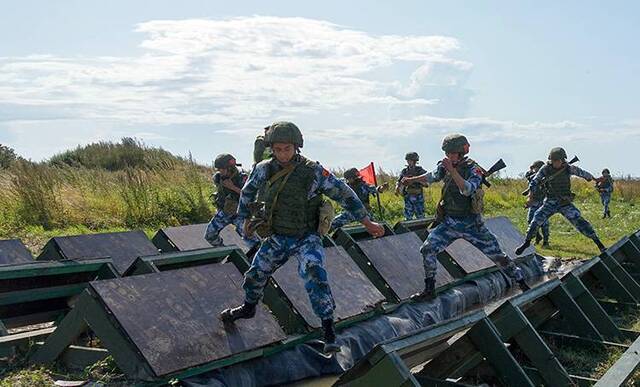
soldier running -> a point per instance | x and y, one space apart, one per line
532 205
228 180
411 192
604 185
556 176
363 190
459 211
293 195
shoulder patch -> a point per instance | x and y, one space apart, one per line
325 172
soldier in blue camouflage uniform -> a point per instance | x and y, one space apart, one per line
293 195
604 185
228 180
363 190
556 176
459 216
412 193
260 150
532 206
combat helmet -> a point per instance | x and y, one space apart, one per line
537 164
557 153
225 160
351 173
284 132
606 171
455 143
412 156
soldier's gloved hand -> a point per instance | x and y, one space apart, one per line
373 228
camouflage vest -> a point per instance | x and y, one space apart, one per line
293 213
223 193
455 203
413 188
360 189
558 187
538 194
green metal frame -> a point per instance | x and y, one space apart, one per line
418 226
182 259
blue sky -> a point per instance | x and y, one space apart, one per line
364 81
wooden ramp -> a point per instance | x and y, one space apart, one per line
122 247
191 237
13 252
418 226
158 325
463 259
508 236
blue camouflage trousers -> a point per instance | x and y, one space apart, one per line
472 229
553 206
545 226
221 220
413 206
274 252
605 198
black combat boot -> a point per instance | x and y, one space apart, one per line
246 310
598 243
538 237
523 246
429 292
330 346
545 243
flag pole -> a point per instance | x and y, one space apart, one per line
375 181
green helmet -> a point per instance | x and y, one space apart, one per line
225 160
284 132
557 153
412 156
606 171
351 173
537 164
455 143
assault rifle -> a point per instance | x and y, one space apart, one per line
499 165
575 159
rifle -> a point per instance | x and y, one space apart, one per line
575 159
499 165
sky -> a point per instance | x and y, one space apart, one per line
363 81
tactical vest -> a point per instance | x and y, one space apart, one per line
413 188
359 188
558 187
455 203
293 213
223 193
538 194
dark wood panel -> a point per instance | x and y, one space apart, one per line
122 247
13 252
468 257
186 238
508 236
351 289
172 317
397 258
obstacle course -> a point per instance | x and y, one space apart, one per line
157 316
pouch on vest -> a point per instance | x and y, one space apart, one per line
563 201
230 205
326 214
258 222
477 202
413 190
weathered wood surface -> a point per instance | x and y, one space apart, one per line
183 238
172 317
468 257
398 260
230 237
122 247
508 236
351 289
13 252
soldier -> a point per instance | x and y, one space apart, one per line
292 198
537 198
412 192
363 190
556 176
260 150
229 181
604 185
460 212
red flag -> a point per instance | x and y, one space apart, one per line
368 174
